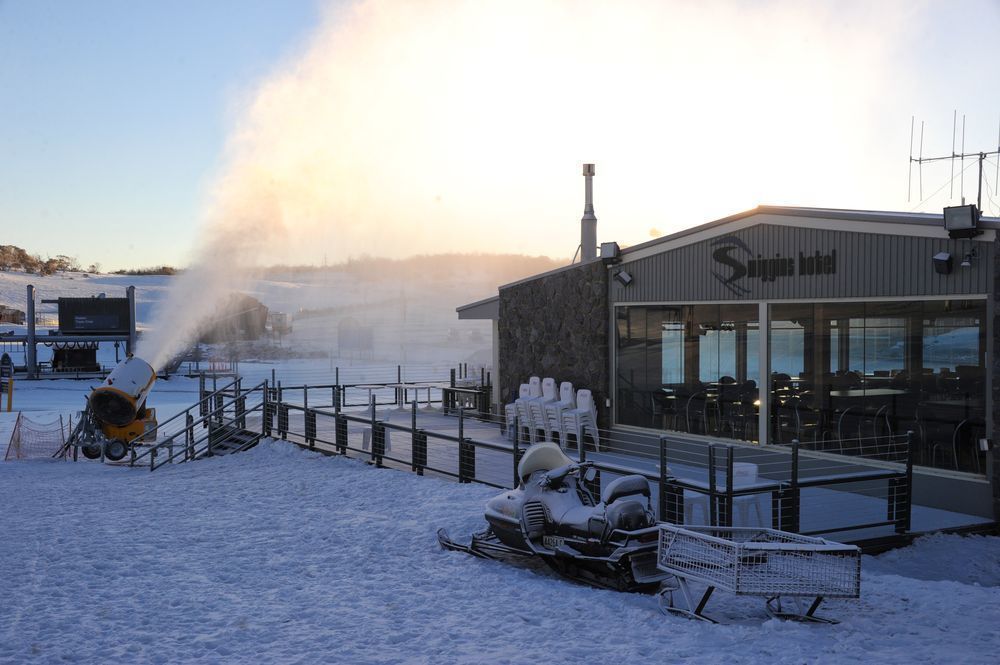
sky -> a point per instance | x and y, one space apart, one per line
139 133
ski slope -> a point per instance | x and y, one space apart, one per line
413 321
281 555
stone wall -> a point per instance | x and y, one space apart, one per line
557 325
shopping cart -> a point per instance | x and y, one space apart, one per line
756 562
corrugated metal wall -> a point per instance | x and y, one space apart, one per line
868 265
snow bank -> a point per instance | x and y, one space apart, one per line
280 555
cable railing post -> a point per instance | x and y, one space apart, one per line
270 407
340 433
671 494
217 397
901 491
712 507
202 397
792 524
516 451
309 427
662 490
241 408
188 436
371 424
466 453
727 519
211 436
265 406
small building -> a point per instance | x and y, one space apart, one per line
240 317
778 324
11 315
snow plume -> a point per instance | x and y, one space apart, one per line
426 127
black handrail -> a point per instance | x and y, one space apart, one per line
207 418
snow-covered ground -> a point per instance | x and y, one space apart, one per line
281 555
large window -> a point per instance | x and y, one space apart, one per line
689 367
853 378
844 377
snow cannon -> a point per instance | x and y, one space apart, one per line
116 414
122 396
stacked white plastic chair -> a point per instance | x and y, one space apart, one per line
554 411
583 418
537 405
523 410
510 410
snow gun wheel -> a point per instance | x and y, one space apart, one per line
115 450
91 452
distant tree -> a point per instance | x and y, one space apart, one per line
49 267
67 263
94 267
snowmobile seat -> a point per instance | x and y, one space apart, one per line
540 456
625 486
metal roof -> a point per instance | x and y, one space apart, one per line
885 217
487 308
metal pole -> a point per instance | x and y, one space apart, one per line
979 196
728 521
662 498
132 335
515 452
908 505
30 350
711 486
795 516
371 422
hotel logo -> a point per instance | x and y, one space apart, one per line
737 261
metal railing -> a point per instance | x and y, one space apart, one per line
221 413
794 484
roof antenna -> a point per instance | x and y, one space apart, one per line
909 170
954 121
961 156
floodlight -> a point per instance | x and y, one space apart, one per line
942 263
623 277
610 253
962 221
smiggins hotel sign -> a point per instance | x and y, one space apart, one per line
735 261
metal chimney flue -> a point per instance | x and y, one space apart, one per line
588 223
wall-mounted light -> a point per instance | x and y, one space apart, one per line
610 253
969 258
623 277
942 263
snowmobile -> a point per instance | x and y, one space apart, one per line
553 515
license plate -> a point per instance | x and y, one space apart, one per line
553 542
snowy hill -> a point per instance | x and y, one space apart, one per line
410 307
